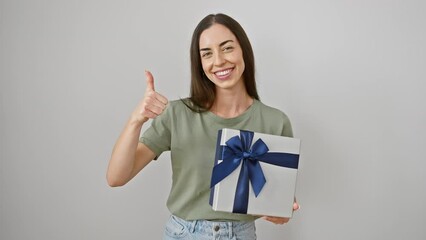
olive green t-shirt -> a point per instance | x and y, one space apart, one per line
191 137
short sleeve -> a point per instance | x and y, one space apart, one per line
157 137
287 129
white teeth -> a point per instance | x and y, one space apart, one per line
222 73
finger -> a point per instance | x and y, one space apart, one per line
149 81
149 114
161 98
151 110
296 206
150 87
155 100
276 220
157 110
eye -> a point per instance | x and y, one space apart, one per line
228 48
206 54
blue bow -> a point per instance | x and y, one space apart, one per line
239 150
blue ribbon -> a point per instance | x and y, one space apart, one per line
239 150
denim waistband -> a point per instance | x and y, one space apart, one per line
206 226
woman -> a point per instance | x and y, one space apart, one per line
223 95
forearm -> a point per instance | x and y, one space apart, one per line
123 157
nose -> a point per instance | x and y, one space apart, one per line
219 59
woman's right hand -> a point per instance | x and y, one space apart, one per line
152 104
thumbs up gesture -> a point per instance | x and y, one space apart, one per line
152 104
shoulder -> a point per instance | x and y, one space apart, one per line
179 105
272 112
177 102
276 121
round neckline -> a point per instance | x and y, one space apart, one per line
236 119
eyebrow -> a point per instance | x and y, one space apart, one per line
220 45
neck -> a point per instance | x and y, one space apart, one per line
230 105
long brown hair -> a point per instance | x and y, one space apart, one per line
203 91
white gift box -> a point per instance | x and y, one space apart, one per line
276 198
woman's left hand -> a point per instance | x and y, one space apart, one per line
281 220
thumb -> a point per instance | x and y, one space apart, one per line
149 81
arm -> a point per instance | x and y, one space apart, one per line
129 156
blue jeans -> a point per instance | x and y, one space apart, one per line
177 228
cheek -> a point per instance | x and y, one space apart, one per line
243 66
239 61
205 65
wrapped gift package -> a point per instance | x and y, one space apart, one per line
254 173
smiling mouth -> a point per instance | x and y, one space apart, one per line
223 74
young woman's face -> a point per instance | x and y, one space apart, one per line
222 57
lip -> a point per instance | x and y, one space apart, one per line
223 74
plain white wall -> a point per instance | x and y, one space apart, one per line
350 75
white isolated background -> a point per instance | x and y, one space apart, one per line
351 75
